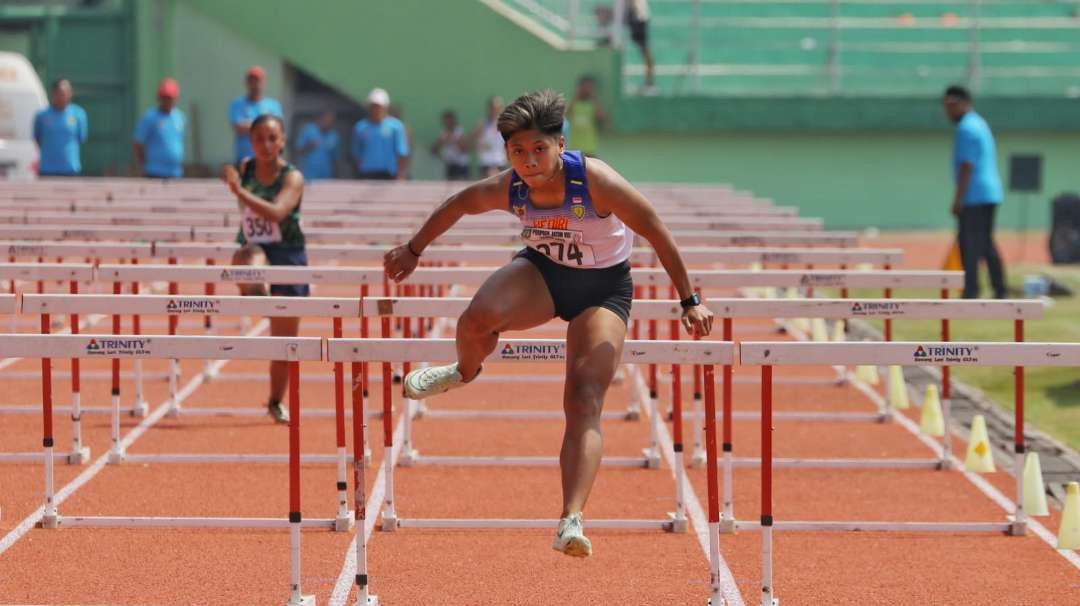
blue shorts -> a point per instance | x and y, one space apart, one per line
281 255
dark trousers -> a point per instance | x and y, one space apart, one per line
976 238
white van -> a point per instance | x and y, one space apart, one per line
21 97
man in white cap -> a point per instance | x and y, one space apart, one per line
380 146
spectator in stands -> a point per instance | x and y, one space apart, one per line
380 145
450 146
637 17
978 192
318 145
246 108
59 130
586 116
486 140
269 191
159 136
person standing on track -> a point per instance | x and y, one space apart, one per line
268 191
579 223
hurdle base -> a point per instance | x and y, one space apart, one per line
344 523
1017 528
305 600
50 521
677 525
728 526
633 412
372 600
389 523
79 457
140 409
116 457
409 457
652 457
698 458
420 408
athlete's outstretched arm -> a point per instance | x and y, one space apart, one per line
611 193
292 188
480 197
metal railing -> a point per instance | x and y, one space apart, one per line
826 47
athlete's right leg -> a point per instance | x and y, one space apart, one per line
513 298
251 254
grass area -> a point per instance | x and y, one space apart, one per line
1052 395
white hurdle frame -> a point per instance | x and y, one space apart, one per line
139 305
969 353
293 350
843 309
546 350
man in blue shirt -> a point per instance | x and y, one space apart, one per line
159 135
59 130
380 146
318 148
245 108
978 192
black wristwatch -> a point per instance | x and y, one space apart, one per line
691 301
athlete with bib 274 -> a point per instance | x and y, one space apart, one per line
268 191
579 222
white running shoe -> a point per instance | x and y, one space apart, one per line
571 539
433 380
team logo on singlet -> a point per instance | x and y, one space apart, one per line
519 210
579 211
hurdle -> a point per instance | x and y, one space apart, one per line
292 350
926 309
449 307
972 353
520 350
209 218
397 236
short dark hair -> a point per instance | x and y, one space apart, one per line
958 92
449 113
541 110
264 118
56 83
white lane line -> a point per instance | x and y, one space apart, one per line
346 579
987 488
693 505
88 474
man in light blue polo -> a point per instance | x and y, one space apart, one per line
59 130
159 135
245 108
380 146
978 192
318 148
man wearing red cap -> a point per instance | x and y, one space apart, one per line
245 108
159 136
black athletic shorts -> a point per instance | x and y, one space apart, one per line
639 31
575 290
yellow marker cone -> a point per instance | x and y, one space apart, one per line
769 292
757 292
898 397
838 332
979 457
864 266
932 422
818 332
1034 490
867 374
1069 533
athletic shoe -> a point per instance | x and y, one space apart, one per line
433 380
278 411
571 539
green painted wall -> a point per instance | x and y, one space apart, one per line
883 179
430 55
210 63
